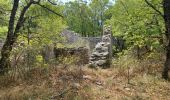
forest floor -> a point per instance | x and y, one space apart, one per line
74 83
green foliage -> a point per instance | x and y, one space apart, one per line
45 25
86 19
3 31
41 28
39 59
137 22
4 16
68 60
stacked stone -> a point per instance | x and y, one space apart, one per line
101 53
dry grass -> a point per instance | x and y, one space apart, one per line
132 81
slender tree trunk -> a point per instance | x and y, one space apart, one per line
167 64
166 7
7 47
12 35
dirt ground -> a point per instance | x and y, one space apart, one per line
88 84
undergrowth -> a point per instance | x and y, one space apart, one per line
127 79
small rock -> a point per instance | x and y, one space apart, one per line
100 62
126 88
99 83
76 85
87 77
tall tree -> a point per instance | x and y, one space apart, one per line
77 16
136 22
144 22
98 8
12 34
87 19
166 7
14 29
166 17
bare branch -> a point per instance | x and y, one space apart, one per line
154 8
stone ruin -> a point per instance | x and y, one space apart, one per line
102 53
95 51
81 53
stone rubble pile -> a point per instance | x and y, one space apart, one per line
101 55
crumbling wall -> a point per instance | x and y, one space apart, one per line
81 53
92 41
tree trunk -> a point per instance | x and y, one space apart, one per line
5 53
7 47
166 7
167 64
12 35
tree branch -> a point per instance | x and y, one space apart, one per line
52 2
21 18
154 8
50 10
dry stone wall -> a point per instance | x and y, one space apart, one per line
81 53
102 53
